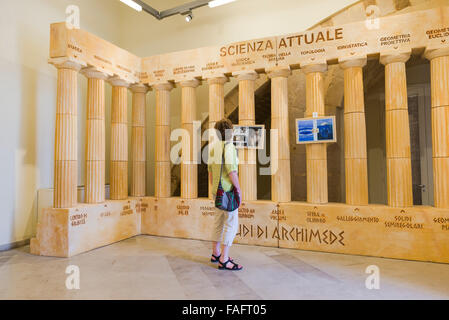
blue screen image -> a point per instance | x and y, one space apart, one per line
325 129
305 130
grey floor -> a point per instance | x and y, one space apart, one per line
147 267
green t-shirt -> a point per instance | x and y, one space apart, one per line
214 164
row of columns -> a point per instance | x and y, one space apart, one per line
398 156
66 137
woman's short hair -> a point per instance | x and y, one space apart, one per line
224 128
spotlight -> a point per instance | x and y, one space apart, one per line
189 16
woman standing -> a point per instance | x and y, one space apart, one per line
226 223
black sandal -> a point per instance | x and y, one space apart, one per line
216 259
235 267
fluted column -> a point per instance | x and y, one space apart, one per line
138 141
247 117
65 170
280 160
163 164
399 166
119 140
216 107
439 70
189 167
95 137
316 154
356 168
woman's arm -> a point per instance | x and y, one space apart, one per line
235 180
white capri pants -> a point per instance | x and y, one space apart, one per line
225 226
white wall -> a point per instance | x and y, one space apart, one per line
28 83
28 95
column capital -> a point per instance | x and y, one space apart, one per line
219 79
392 57
246 75
431 54
118 82
278 72
192 83
353 62
313 68
93 73
67 63
164 86
139 88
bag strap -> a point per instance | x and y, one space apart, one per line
222 162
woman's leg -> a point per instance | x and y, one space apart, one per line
216 248
230 227
217 233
